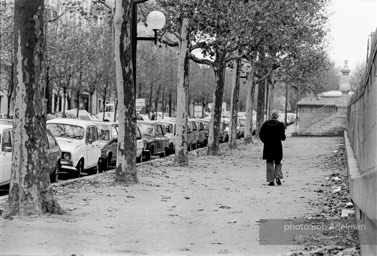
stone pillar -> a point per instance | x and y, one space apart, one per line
344 85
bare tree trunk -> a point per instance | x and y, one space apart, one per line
9 104
104 101
271 99
56 98
267 101
234 104
30 191
214 127
78 103
90 102
64 100
115 110
157 99
260 106
126 154
249 105
10 90
150 101
170 104
48 90
181 156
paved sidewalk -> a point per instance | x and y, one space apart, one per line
212 207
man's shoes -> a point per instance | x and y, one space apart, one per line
278 181
271 184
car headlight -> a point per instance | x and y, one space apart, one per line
66 156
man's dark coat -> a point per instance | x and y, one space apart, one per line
271 134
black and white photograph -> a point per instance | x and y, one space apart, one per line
188 127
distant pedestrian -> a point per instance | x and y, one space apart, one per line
272 133
153 117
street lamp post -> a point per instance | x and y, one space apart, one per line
155 20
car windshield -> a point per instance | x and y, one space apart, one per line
104 132
67 131
146 129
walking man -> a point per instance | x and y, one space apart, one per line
271 134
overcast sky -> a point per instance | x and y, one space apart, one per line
351 22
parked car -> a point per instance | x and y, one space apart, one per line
227 129
53 154
223 134
110 146
205 122
108 137
242 127
225 122
170 132
194 132
201 132
6 153
155 141
78 140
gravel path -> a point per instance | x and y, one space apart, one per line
212 207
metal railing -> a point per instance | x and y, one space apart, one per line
320 114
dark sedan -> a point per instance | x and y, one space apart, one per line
155 141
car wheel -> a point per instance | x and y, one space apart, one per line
171 148
163 154
147 155
55 175
97 168
106 164
79 168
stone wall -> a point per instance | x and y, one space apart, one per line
332 125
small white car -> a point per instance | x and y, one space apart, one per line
110 147
6 141
5 153
78 140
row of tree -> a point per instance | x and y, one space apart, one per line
281 41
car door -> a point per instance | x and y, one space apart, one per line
53 151
87 148
158 133
96 146
114 135
163 138
139 142
6 154
50 155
